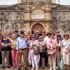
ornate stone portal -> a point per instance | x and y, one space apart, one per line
39 15
37 27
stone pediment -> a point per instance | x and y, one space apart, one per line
26 7
61 7
25 1
12 7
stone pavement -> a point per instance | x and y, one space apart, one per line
21 69
29 68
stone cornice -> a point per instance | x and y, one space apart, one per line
60 10
37 21
32 4
27 7
11 11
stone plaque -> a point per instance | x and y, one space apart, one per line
37 14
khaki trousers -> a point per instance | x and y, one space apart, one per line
23 58
5 58
52 62
66 58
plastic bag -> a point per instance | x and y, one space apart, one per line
61 64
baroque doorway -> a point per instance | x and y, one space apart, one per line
37 28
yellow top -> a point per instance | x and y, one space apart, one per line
13 43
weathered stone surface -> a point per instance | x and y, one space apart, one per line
52 17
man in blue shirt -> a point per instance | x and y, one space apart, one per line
21 46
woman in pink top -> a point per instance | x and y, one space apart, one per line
51 49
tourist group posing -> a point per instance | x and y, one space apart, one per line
35 50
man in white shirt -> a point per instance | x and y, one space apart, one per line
21 46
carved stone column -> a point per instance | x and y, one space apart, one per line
48 18
26 27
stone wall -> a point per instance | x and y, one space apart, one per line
61 20
11 20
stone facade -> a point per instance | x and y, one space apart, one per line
35 16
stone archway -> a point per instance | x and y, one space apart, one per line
37 28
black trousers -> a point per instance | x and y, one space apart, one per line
0 58
10 59
46 59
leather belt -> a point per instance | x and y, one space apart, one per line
23 49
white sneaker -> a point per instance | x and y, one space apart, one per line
54 69
36 69
50 69
32 69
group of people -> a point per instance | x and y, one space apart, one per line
23 50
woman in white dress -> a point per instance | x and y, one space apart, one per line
34 56
65 51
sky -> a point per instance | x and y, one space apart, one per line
66 2
9 2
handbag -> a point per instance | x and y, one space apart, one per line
61 64
35 50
